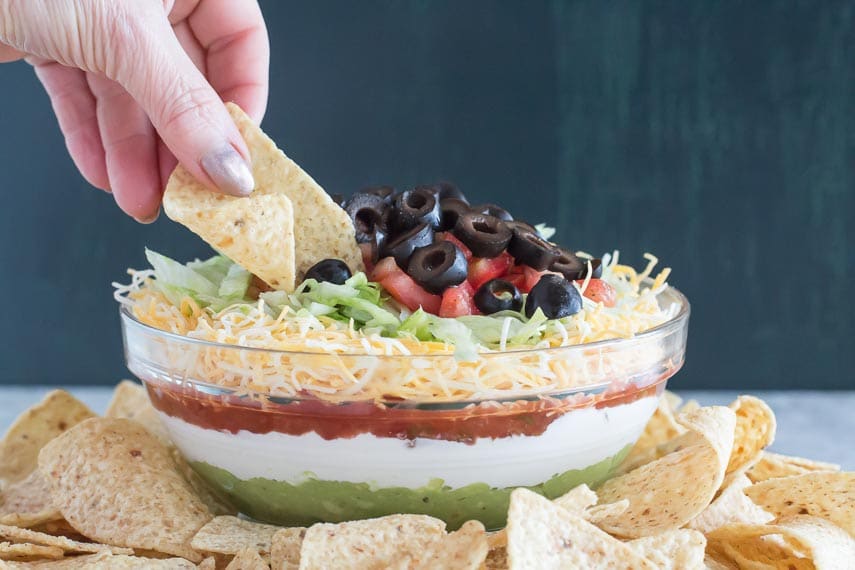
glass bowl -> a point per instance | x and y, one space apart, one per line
296 458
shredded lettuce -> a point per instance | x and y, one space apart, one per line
218 283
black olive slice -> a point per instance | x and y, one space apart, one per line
446 190
519 224
596 269
493 210
368 213
329 270
530 249
567 264
401 246
438 266
497 295
450 210
555 296
414 207
485 236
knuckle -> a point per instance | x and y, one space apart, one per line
187 106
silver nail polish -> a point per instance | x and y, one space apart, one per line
229 171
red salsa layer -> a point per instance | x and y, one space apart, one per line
334 421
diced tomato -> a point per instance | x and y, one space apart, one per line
515 279
457 301
482 269
402 287
531 277
448 236
599 292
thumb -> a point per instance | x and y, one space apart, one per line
185 110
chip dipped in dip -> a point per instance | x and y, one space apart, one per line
396 352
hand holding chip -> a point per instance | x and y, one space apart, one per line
138 86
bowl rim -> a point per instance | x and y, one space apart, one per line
662 329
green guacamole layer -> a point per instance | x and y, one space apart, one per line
316 500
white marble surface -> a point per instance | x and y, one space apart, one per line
819 425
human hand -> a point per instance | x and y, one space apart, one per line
136 85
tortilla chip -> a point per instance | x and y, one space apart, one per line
321 228
117 483
463 549
107 561
210 563
577 499
662 427
689 407
247 559
672 550
755 430
542 536
27 551
28 503
597 513
256 232
772 465
19 449
285 548
369 544
130 401
230 535
497 558
794 542
15 534
731 506
830 496
711 563
669 492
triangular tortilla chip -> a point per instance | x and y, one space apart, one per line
669 492
28 503
285 548
19 449
319 228
115 482
131 401
755 431
672 550
731 506
830 496
464 549
247 559
773 465
230 535
543 536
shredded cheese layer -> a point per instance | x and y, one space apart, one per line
304 354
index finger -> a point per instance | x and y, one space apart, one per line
237 53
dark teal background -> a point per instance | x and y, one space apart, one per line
719 135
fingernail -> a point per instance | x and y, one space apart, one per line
229 171
150 219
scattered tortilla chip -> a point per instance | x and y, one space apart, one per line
369 544
662 427
107 561
210 563
497 558
463 549
115 482
577 499
689 407
130 401
599 512
543 536
217 504
16 534
772 465
285 548
795 542
672 550
230 535
19 449
711 563
755 431
27 551
27 503
247 559
830 496
731 506
669 492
